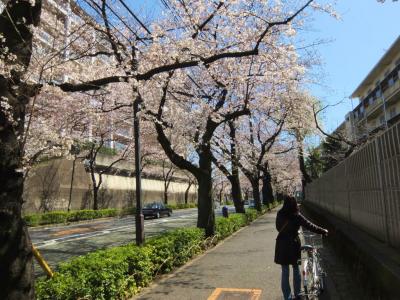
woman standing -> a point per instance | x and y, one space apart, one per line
287 247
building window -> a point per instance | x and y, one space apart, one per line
382 119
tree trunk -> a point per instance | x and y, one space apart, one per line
256 194
220 196
234 178
187 193
267 191
206 216
305 177
236 193
165 196
16 268
95 198
16 271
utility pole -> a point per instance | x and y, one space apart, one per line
139 214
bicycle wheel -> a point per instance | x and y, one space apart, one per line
321 282
320 285
309 280
311 283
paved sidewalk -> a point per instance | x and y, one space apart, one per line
243 261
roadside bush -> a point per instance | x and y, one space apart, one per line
251 215
226 226
33 220
120 272
127 211
55 217
103 274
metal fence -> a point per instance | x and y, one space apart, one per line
364 189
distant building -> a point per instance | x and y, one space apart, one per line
379 97
58 17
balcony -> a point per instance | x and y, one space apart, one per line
122 134
45 38
392 91
359 117
375 108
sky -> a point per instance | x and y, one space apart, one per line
356 43
352 46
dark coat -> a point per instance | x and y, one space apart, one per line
287 247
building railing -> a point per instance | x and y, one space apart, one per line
388 93
387 87
372 107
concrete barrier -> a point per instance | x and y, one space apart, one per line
375 264
48 188
364 189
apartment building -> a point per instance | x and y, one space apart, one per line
59 19
379 97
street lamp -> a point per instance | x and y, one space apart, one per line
139 220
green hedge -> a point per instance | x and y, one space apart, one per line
55 217
119 272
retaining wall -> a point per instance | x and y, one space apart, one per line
48 188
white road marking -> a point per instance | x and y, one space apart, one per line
50 242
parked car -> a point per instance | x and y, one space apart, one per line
156 210
251 204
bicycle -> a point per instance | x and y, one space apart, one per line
312 271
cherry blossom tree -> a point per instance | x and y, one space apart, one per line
233 174
191 180
193 35
16 20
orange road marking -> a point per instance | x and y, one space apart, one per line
254 294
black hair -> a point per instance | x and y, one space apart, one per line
290 206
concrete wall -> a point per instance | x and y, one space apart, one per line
364 189
48 188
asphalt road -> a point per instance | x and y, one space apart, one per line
60 243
